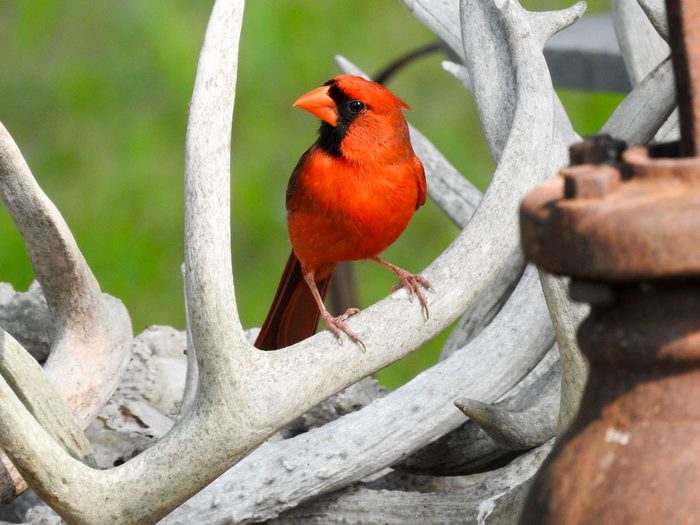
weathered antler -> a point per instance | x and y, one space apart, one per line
642 47
356 445
493 498
242 395
528 148
92 331
242 392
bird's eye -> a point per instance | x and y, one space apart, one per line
356 106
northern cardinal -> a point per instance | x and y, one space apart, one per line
350 196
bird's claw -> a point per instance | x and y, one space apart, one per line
349 312
413 284
337 325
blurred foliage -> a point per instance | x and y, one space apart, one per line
96 96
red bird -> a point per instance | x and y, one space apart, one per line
350 196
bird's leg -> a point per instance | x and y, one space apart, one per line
411 282
334 324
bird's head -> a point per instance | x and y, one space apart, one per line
357 114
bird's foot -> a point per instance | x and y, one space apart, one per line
413 284
337 325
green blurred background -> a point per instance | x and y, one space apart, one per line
96 96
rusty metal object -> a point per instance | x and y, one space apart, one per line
589 182
632 455
592 292
684 25
626 227
592 224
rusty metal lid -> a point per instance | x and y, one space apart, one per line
632 220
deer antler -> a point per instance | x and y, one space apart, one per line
242 392
524 158
90 346
244 395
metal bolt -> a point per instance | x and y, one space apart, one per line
588 181
597 149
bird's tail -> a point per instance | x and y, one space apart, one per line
294 314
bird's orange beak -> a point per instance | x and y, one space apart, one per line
318 102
